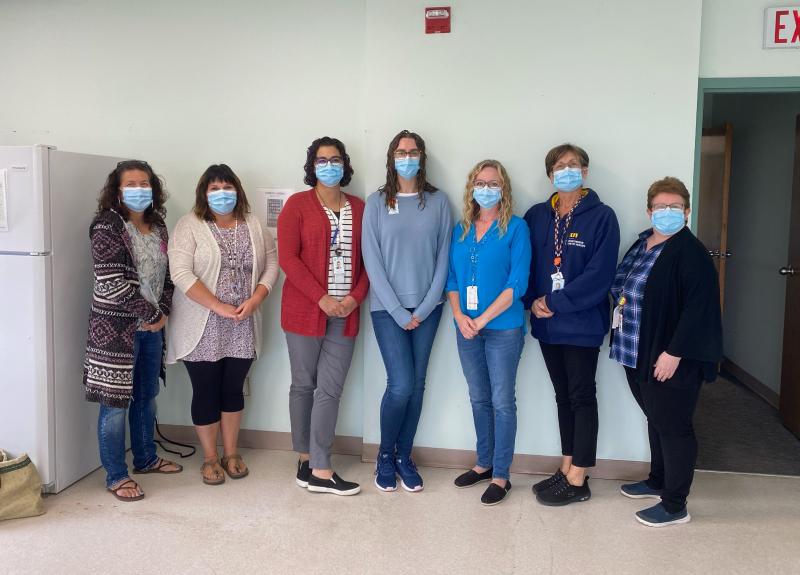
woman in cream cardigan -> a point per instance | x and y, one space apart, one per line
224 266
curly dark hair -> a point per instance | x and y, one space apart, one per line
219 173
311 155
390 188
110 195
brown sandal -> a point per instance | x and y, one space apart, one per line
238 461
218 477
159 467
126 484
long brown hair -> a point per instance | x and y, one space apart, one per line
471 207
390 188
219 173
110 194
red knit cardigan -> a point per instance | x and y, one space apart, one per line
304 243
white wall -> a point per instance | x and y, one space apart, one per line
732 42
186 84
758 228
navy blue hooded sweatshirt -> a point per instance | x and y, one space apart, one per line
582 310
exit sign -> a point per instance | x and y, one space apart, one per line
782 27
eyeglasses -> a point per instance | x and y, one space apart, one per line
403 154
572 165
132 164
494 184
334 161
659 207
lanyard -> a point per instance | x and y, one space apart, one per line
558 239
336 237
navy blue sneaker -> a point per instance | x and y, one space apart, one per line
385 473
640 490
409 477
657 516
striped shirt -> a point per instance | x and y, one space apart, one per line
341 239
630 282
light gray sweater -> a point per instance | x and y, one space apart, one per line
406 254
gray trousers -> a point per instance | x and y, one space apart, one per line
319 368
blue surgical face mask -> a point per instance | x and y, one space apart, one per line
407 167
668 221
568 179
486 197
222 202
137 199
329 174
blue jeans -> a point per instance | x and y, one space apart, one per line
489 361
405 355
147 348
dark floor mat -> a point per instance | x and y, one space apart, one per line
739 431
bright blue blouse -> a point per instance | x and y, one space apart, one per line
493 264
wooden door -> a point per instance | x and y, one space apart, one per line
790 372
715 181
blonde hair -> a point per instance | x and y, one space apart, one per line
471 207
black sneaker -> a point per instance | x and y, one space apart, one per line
494 494
472 477
562 493
549 482
335 485
303 473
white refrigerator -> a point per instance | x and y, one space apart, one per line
47 201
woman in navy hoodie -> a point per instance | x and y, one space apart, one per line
575 244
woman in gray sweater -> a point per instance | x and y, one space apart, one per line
405 245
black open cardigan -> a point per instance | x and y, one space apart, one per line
681 309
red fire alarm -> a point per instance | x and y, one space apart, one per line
437 20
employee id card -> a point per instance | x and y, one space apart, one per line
338 269
558 281
472 298
616 317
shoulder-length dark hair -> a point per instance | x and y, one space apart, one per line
390 188
219 173
110 194
311 155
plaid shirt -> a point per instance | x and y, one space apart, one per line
630 280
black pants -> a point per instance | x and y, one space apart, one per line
216 387
669 407
572 370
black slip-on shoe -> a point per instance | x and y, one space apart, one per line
335 485
472 477
494 494
303 473
563 493
549 482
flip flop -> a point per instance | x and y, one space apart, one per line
159 467
238 459
218 471
127 484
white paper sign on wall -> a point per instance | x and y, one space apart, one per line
782 27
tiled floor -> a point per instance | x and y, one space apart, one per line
266 524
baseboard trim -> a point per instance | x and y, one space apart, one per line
258 439
523 463
426 456
751 382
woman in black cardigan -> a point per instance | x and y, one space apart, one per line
667 332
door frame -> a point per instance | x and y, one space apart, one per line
752 85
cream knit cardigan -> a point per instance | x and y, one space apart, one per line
194 255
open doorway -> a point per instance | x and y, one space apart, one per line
747 198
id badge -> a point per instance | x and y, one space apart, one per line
558 281
472 298
616 317
338 269
394 209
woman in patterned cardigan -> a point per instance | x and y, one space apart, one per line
130 302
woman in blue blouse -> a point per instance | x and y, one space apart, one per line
489 265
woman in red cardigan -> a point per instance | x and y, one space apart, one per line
319 239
